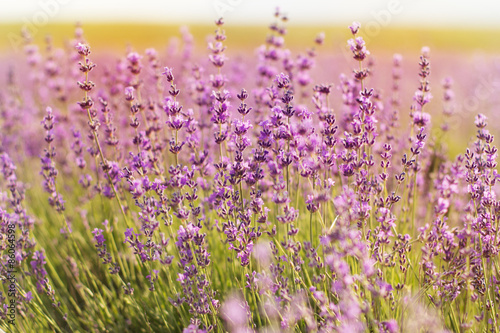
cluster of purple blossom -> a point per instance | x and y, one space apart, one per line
247 203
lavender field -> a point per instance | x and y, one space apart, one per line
270 190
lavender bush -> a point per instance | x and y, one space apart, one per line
185 193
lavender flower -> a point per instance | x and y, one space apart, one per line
256 194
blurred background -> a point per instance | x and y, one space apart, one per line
453 25
464 37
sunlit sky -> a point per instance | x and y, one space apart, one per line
452 13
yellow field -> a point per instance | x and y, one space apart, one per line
141 36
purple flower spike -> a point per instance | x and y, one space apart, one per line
129 94
83 49
282 81
168 74
355 27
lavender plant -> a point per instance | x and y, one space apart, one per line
207 199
